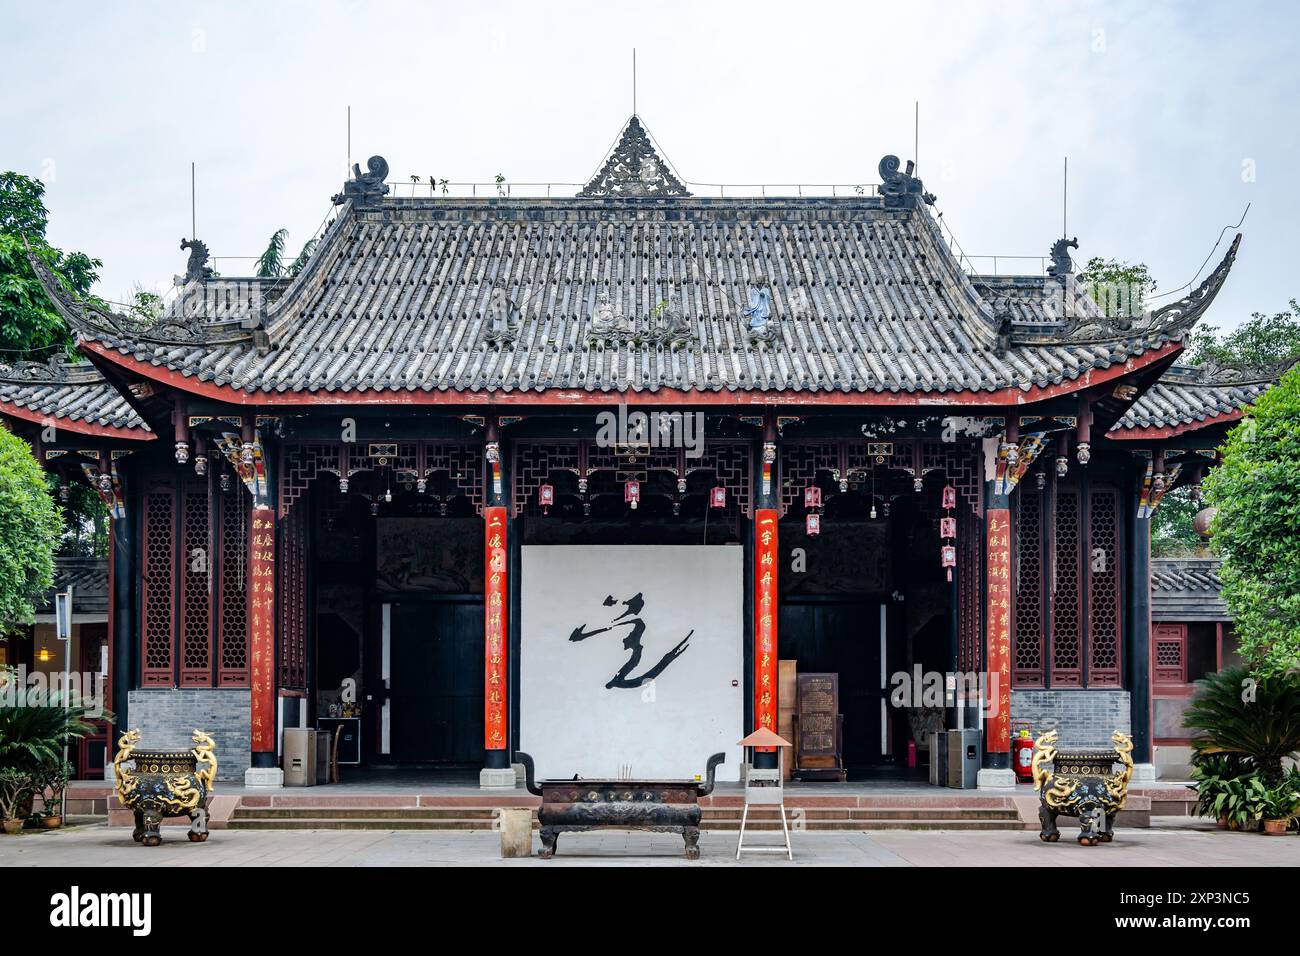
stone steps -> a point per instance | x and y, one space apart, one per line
713 818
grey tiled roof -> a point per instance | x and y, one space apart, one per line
67 392
1185 395
510 295
1187 589
89 580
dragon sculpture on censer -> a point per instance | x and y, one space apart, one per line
165 783
1083 784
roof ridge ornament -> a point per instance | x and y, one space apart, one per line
365 189
1062 265
900 189
634 170
196 268
1170 321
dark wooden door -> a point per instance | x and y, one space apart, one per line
436 683
92 749
844 639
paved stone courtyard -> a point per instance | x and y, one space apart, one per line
1182 845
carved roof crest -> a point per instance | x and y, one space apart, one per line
634 170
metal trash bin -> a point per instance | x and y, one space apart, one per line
938 758
963 759
299 757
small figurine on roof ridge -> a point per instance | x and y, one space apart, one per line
365 188
1062 265
196 269
762 326
900 189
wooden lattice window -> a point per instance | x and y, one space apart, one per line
1169 654
292 599
157 575
196 588
1027 653
1104 614
232 555
1067 611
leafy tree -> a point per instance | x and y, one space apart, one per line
1257 528
1120 289
1171 525
1261 340
271 265
30 526
29 326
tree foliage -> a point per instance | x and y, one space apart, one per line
30 526
271 264
29 326
1262 340
1171 525
1257 528
1120 289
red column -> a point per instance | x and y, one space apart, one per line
495 589
765 631
998 563
261 633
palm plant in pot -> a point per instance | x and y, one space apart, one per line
1255 718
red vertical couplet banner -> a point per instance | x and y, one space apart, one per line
261 628
765 653
494 629
998 724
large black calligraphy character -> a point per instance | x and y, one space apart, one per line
632 642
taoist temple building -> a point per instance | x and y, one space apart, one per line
384 490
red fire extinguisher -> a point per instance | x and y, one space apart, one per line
1022 755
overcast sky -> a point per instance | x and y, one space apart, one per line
1174 117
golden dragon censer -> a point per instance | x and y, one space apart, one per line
165 783
1083 784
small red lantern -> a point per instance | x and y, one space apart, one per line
949 496
546 497
814 524
949 558
812 497
947 527
718 497
632 493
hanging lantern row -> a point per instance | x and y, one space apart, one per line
812 498
948 531
631 495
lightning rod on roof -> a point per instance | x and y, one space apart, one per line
634 81
194 229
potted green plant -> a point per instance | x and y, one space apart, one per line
15 788
1221 789
1277 807
53 782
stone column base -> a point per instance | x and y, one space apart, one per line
496 778
263 778
1143 773
990 779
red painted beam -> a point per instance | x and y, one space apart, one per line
1172 431
1011 396
75 427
